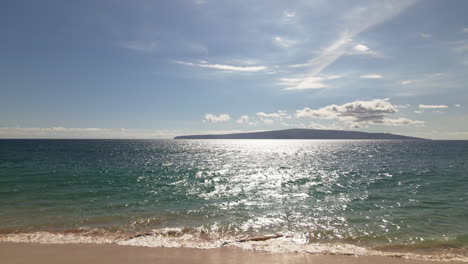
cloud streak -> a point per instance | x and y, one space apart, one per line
306 83
356 21
422 106
224 67
372 76
283 42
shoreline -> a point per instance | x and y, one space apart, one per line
18 253
277 245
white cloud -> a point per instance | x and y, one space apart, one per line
361 48
306 82
224 67
465 30
279 114
270 118
289 13
244 119
419 111
457 105
358 113
425 35
215 119
283 42
406 82
267 121
276 115
288 16
372 76
422 106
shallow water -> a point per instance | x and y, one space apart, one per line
393 196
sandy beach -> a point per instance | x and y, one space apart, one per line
19 253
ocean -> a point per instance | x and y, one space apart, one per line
360 197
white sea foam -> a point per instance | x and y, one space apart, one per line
170 237
55 238
179 238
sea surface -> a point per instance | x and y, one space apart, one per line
360 197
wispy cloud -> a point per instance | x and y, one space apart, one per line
460 46
305 83
422 106
372 76
430 77
289 13
465 30
140 46
224 67
402 106
198 48
356 21
288 16
216 118
283 42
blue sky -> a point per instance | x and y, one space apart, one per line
156 69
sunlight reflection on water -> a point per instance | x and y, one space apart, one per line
313 190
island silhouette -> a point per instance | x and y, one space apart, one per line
302 133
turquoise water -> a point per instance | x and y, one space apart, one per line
403 196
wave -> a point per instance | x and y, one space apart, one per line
273 243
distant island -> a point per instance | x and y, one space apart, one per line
303 134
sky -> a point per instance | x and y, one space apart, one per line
157 69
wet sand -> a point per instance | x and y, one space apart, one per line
19 253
